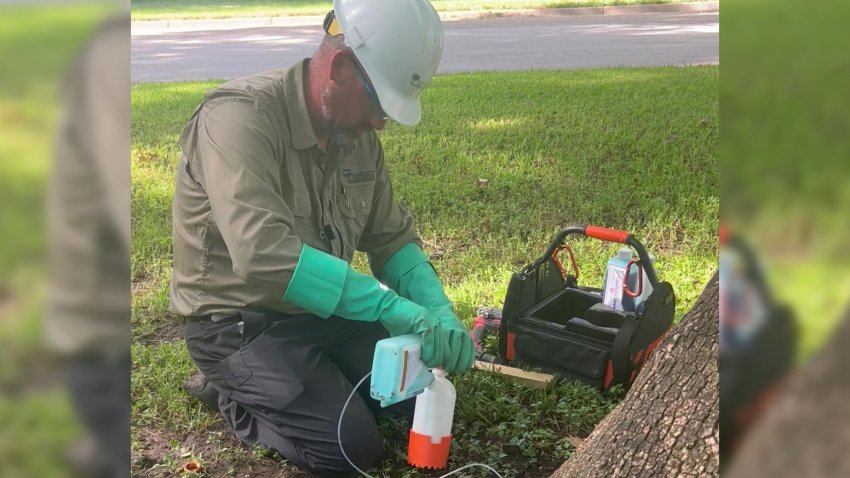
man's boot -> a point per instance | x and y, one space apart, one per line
199 386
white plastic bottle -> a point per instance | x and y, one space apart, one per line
615 272
431 433
613 293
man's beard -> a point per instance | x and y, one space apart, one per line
339 136
343 138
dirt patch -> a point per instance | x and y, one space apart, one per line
153 447
160 454
166 328
439 248
141 285
146 156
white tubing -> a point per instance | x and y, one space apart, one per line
339 439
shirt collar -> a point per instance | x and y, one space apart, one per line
300 127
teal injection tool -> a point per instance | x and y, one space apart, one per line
398 372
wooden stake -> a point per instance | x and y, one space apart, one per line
531 379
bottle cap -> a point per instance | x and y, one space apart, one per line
624 253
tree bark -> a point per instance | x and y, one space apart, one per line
668 424
806 431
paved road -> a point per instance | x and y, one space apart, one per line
510 43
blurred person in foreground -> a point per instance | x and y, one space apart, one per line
777 419
758 338
282 178
88 313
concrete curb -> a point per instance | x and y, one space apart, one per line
157 27
696 7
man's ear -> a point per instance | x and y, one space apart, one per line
340 67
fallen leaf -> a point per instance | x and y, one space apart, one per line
191 466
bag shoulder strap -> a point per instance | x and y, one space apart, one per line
621 359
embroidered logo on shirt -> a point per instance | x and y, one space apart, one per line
354 177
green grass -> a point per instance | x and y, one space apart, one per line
194 9
633 149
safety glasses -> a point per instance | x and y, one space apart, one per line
370 90
331 27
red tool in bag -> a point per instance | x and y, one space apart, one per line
551 323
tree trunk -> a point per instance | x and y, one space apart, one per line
805 432
668 424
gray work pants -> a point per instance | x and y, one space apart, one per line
283 381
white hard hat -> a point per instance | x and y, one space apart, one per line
399 43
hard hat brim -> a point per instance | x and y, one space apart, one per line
404 110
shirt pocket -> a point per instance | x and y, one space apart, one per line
356 201
295 195
301 205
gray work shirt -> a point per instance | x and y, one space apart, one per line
253 185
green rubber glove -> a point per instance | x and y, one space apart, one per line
325 285
411 274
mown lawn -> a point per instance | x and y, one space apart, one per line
192 9
633 149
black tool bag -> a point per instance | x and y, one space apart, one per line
551 323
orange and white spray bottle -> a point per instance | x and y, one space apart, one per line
431 433
399 374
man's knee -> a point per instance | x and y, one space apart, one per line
363 447
319 450
365 450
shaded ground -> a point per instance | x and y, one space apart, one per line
160 454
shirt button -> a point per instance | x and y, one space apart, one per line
363 204
322 234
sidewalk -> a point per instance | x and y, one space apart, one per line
157 27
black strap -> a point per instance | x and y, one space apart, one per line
621 359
